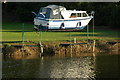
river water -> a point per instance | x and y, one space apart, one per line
88 67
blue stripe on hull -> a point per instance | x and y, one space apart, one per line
69 20
63 20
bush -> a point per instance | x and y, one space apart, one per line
6 45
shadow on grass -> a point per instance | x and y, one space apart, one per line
17 31
64 30
10 41
96 36
11 26
77 35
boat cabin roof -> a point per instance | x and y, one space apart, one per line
57 12
53 7
52 11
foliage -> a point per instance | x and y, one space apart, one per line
106 13
6 45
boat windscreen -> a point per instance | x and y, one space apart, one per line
46 12
49 13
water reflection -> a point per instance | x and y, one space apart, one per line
89 67
49 67
81 67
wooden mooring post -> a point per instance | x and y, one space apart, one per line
41 49
75 40
40 43
70 43
23 39
93 47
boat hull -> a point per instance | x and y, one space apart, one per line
45 24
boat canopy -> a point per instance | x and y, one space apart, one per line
52 11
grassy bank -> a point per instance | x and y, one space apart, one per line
13 32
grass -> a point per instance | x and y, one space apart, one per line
13 32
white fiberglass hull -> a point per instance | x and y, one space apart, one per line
76 23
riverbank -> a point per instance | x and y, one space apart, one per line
55 48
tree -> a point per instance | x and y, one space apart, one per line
106 13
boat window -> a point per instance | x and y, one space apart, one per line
78 14
84 15
43 11
73 15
